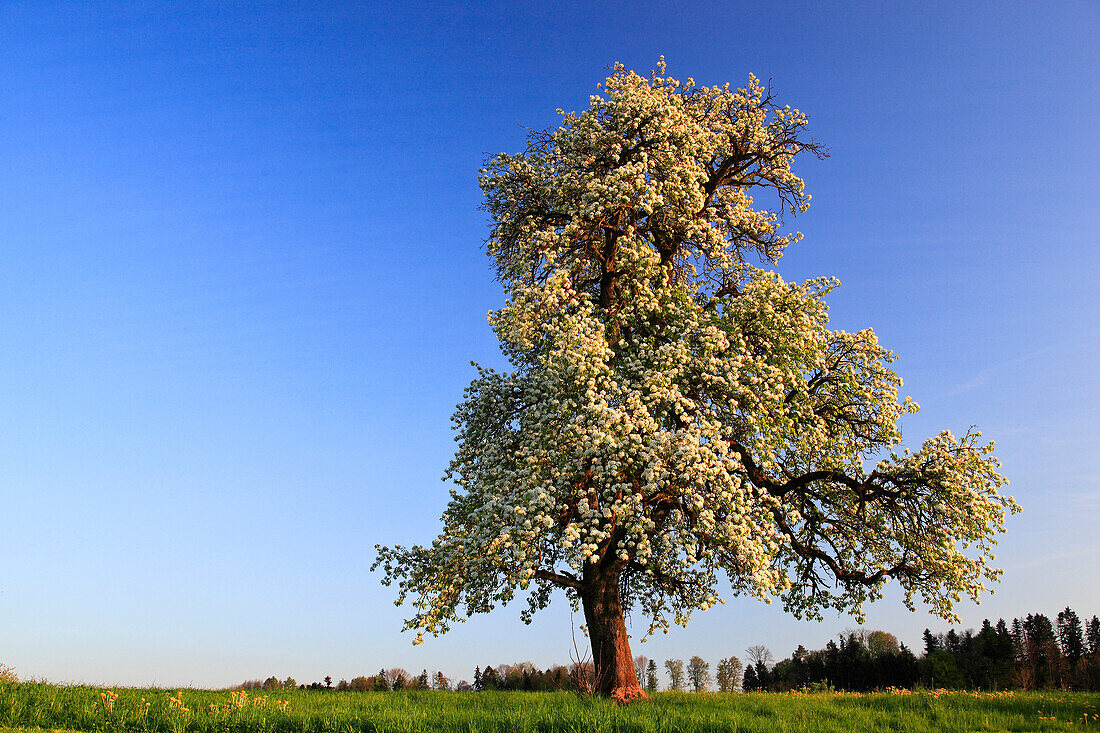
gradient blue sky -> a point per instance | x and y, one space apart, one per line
243 280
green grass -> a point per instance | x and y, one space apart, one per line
37 706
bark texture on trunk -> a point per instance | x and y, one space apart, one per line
614 666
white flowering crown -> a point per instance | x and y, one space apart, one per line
679 421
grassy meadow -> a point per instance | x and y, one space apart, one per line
37 706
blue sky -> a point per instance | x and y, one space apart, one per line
243 280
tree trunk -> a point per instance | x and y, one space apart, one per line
614 666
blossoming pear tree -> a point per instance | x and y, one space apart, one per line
680 423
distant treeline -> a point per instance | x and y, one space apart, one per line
1029 653
520 676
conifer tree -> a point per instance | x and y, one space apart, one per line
749 684
651 677
1071 636
931 642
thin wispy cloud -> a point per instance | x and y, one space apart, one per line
987 377
1054 558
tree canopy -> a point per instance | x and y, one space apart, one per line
675 414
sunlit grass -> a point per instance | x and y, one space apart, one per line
38 706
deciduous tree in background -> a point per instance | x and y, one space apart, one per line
759 662
640 663
728 674
699 674
675 669
674 413
7 674
758 655
881 643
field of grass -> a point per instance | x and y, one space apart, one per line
39 706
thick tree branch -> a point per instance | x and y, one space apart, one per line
564 579
875 487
